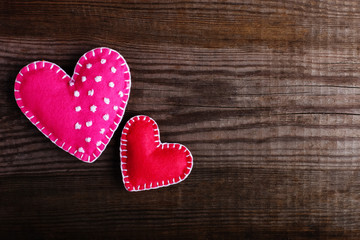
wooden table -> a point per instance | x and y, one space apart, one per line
266 95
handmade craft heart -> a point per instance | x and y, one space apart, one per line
146 163
79 113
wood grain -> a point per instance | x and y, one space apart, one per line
264 93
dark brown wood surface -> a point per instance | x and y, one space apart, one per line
266 95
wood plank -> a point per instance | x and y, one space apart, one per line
264 93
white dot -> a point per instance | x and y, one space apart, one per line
106 100
71 83
106 117
83 78
98 78
88 139
121 94
111 84
93 108
81 150
116 108
91 92
77 125
78 108
76 94
89 123
113 69
102 130
88 66
98 143
103 61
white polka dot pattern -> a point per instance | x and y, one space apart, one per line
99 91
106 100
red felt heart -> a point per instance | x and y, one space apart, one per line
79 113
146 163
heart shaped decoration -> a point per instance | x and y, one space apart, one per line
80 113
146 163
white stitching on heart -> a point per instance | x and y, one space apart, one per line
77 109
91 92
89 65
111 84
83 78
38 124
76 93
123 156
89 123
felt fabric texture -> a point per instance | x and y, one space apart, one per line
146 163
80 113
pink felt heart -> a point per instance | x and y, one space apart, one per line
146 163
80 113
